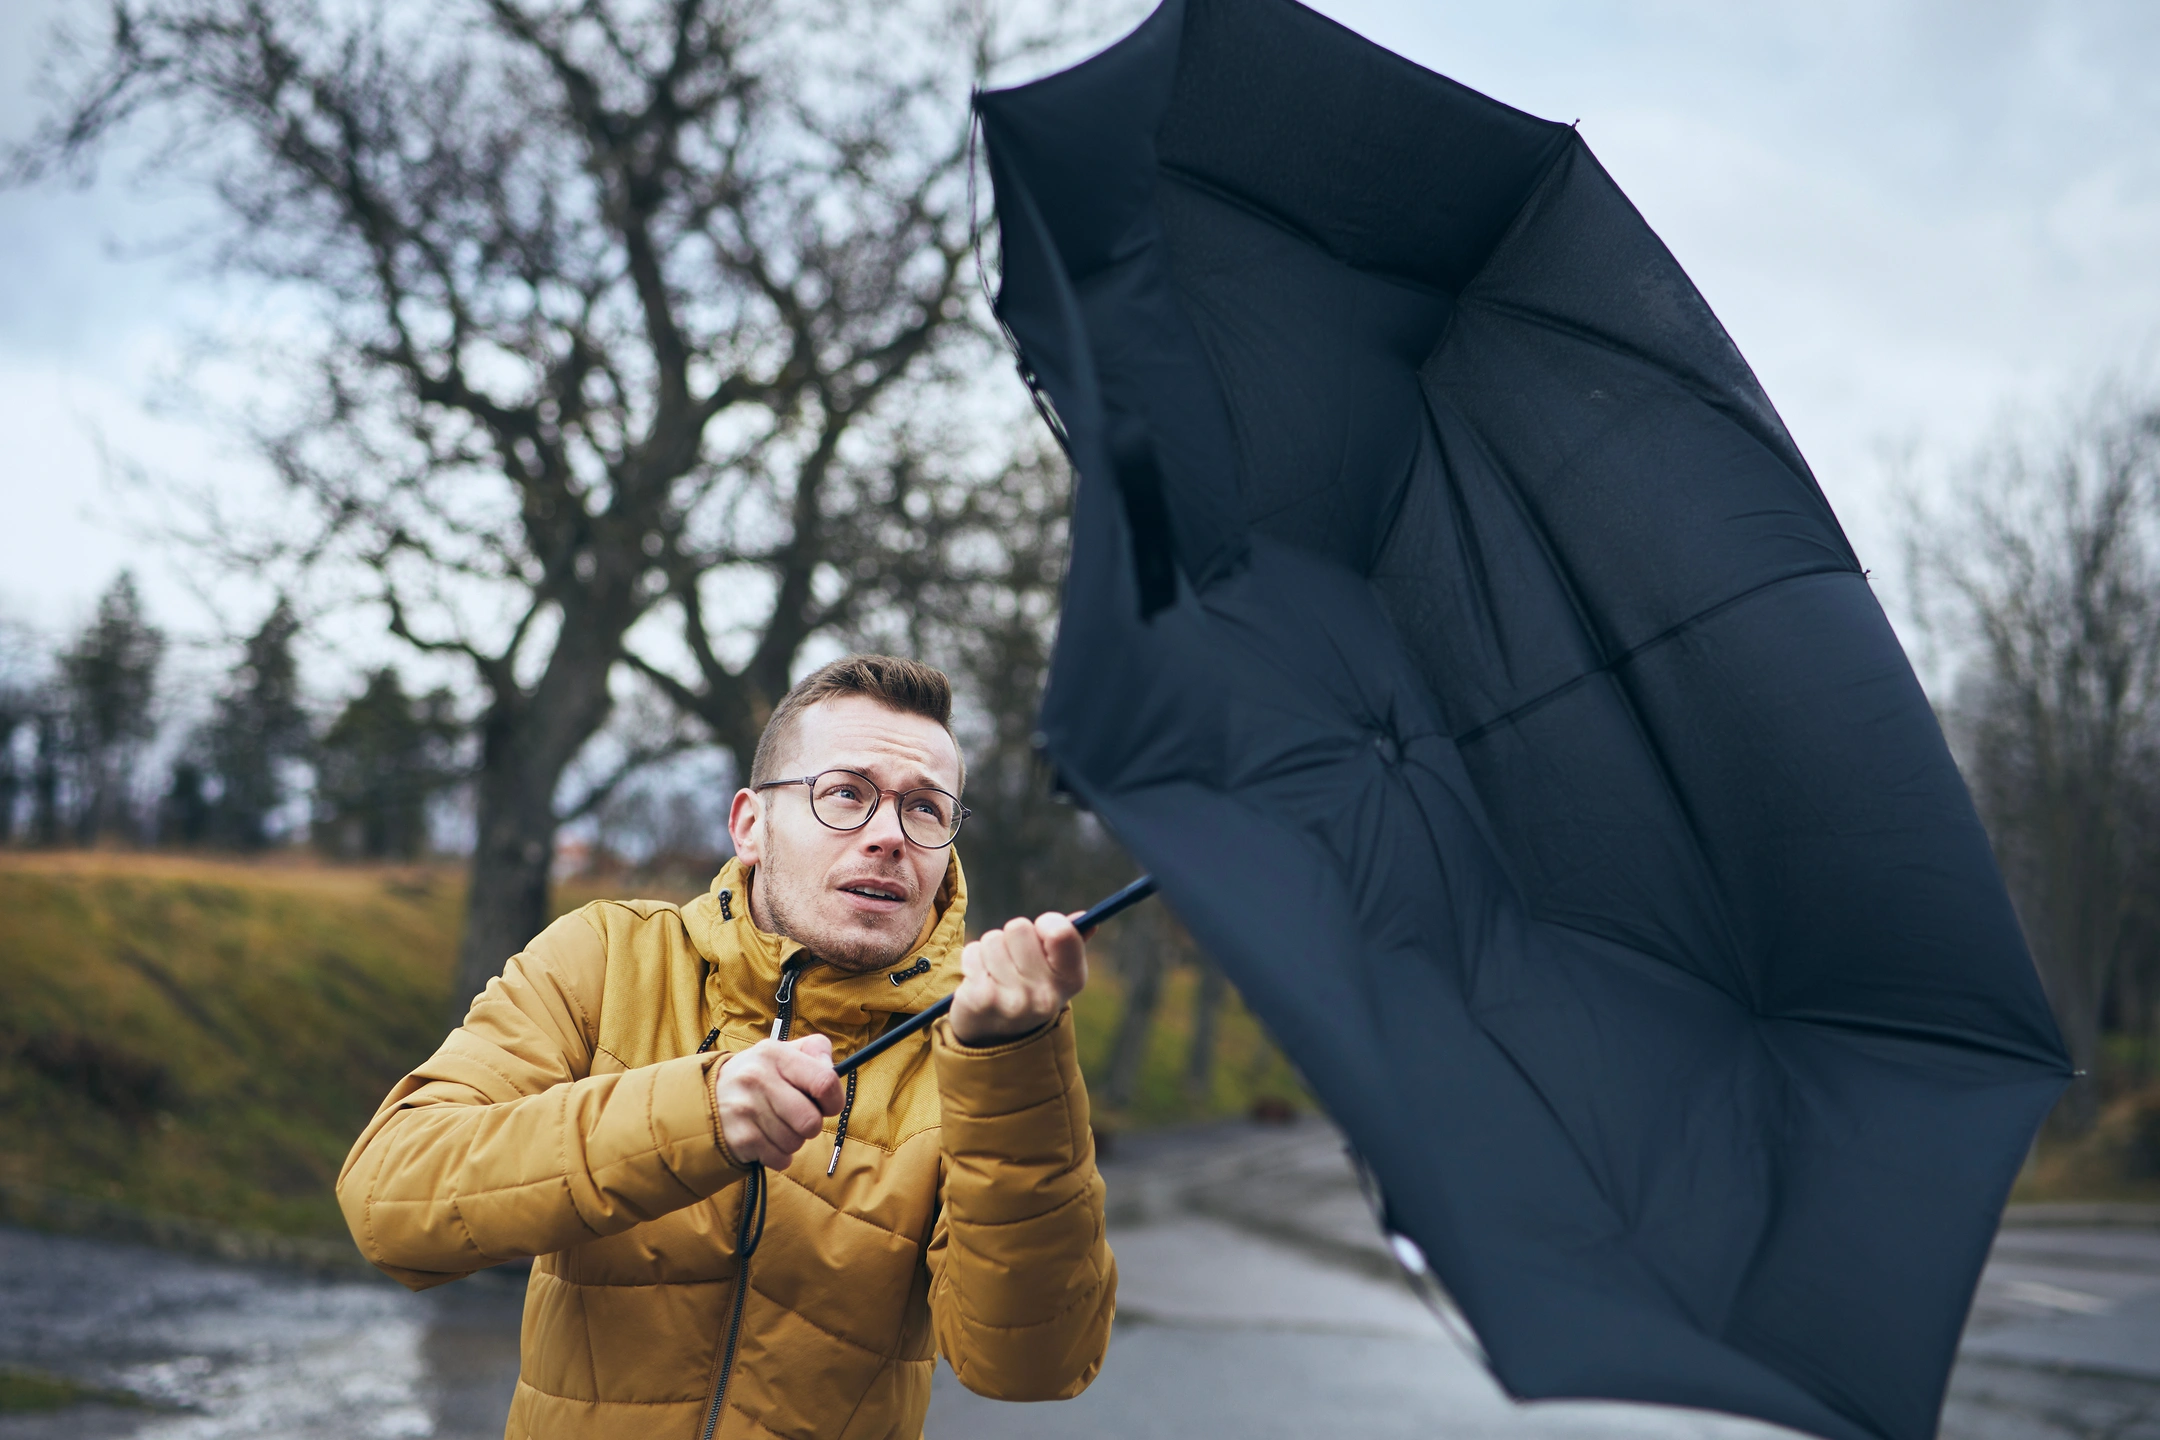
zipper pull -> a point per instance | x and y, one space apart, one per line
786 996
711 1039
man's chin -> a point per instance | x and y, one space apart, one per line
860 949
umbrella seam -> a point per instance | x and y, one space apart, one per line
1214 189
1565 143
1606 667
1786 453
1564 576
1930 1034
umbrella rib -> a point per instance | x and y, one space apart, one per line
1565 577
1607 667
1216 190
1925 1033
1781 444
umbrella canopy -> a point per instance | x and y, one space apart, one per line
1455 631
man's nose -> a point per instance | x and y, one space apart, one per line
884 829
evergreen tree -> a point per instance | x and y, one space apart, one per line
257 730
108 681
380 763
185 814
18 711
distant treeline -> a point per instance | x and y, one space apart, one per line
77 731
2039 568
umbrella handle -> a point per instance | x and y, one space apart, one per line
1088 919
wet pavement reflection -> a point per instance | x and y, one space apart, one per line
225 1351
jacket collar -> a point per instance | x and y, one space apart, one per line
746 963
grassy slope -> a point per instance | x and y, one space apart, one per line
204 1037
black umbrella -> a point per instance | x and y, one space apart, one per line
1456 633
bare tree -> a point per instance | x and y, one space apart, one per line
627 306
2045 571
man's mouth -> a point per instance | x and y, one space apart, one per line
875 890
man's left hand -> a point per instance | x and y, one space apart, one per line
1017 979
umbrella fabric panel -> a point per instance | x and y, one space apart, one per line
1373 160
1644 467
1603 1205
1858 877
1893 1158
1429 1014
1326 414
1513 722
1160 404
1661 488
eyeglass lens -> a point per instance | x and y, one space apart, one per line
844 800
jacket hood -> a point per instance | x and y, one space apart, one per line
746 961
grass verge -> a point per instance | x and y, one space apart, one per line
188 1045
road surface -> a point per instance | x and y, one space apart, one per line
1256 1299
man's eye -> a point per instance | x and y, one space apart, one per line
932 808
843 792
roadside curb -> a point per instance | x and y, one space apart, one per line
37 1207
2099 1214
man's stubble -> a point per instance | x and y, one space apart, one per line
773 910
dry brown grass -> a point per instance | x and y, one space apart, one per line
204 1036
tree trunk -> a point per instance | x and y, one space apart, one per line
1207 1013
506 901
10 782
45 784
527 741
1140 963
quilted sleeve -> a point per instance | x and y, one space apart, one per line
1022 1282
504 1145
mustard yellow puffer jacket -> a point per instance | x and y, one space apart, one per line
571 1118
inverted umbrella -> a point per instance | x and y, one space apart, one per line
1455 631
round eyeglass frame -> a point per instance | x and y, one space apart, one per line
960 814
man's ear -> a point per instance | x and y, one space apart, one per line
743 828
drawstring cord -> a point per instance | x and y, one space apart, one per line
750 1228
847 1108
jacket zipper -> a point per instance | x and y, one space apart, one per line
750 1229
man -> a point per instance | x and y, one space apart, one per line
731 1241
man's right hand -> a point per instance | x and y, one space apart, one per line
774 1096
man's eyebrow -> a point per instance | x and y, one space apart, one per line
912 778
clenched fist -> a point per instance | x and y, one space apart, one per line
1017 979
774 1096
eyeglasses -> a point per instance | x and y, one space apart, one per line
845 800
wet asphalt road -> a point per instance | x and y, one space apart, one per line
1255 1301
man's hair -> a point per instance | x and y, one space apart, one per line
908 686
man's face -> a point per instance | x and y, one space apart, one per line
856 899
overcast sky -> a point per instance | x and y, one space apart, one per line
1915 217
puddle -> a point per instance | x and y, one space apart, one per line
235 1353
